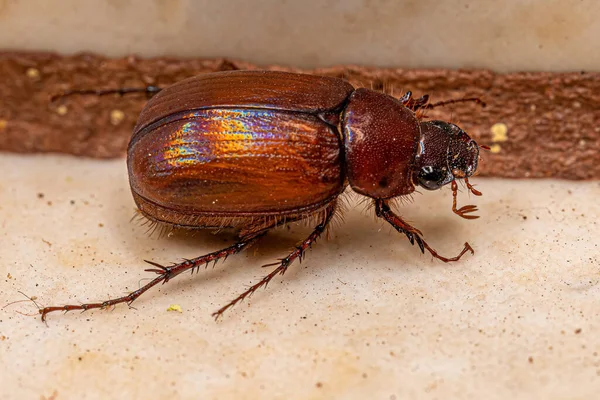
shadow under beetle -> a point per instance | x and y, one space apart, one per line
253 150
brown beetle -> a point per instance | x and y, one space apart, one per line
253 150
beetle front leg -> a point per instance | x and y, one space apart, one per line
383 210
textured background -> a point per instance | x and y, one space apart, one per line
365 316
511 35
538 125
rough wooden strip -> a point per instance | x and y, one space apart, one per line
552 119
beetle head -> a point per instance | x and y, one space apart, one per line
445 153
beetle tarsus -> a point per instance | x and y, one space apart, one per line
283 264
383 210
421 103
413 104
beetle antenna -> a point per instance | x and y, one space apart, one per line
464 211
149 90
454 101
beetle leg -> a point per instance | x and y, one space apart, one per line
406 98
413 104
383 210
282 266
164 275
149 90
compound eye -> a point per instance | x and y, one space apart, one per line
431 178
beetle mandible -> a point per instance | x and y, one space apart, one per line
253 150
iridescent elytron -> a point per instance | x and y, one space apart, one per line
237 160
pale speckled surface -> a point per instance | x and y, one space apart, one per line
365 316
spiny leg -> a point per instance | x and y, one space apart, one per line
164 275
149 90
383 210
464 210
284 263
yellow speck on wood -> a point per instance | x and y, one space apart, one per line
9 276
495 148
62 110
3 124
499 132
33 73
116 117
175 307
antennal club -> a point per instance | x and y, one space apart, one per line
464 211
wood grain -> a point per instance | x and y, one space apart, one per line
545 124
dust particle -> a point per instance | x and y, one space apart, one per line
40 195
116 117
9 276
495 148
62 110
499 132
319 385
577 331
530 359
175 307
33 74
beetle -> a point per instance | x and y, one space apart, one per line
253 150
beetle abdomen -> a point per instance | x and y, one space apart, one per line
234 163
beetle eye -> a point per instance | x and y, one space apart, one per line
431 178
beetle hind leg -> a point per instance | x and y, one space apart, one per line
284 263
383 210
164 275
